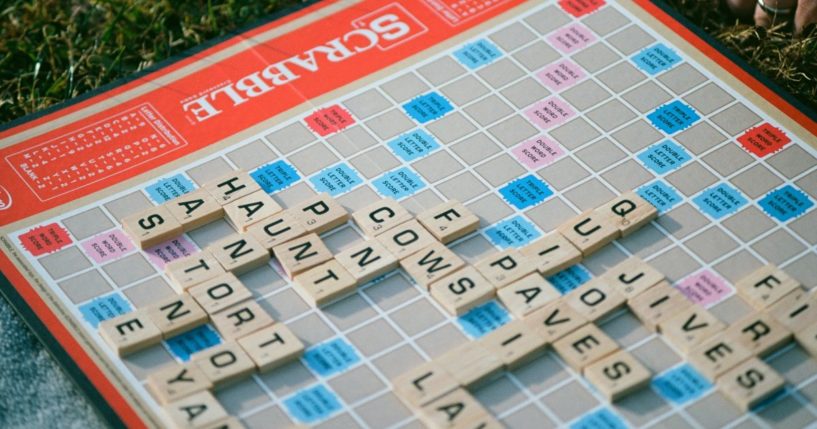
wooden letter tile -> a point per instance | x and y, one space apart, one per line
380 216
219 293
527 294
431 264
250 209
690 327
766 286
618 375
406 239
301 254
320 213
552 253
453 410
470 363
462 290
276 229
449 221
130 332
151 227
584 346
505 267
175 381
750 383
595 299
224 363
367 260
231 187
241 319
272 346
423 384
630 212
324 283
514 343
195 209
632 277
657 304
796 311
196 411
760 333
239 253
176 314
807 338
192 270
590 231
555 320
718 354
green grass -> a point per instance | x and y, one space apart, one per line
53 50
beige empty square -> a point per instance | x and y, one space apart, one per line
514 343
378 217
552 253
632 277
130 332
796 311
406 239
198 410
231 187
301 254
690 327
192 270
449 221
463 290
241 319
584 346
455 409
505 267
555 320
470 363
224 364
423 383
658 304
618 375
432 263
367 260
175 381
250 209
272 346
590 231
195 209
276 229
320 213
717 355
219 293
151 227
595 299
176 314
324 283
629 212
750 383
765 286
239 253
760 333
527 294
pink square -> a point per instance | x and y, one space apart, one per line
549 112
171 250
107 246
571 38
538 152
329 120
704 287
561 75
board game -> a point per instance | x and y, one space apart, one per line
491 131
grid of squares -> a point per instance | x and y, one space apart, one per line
473 161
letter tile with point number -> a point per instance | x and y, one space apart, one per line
195 209
196 411
431 264
760 333
632 277
452 410
239 253
718 354
175 381
618 375
552 253
231 187
423 384
505 267
584 346
527 294
690 327
406 239
241 319
324 283
464 289
130 332
449 221
657 304
276 229
272 346
629 212
250 209
380 216
151 227
796 311
367 260
219 293
192 270
595 299
320 213
555 320
301 254
590 231
176 314
766 286
750 383
514 343
470 363
224 364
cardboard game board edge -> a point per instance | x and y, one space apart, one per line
86 373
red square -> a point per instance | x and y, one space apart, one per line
764 140
580 8
329 120
45 239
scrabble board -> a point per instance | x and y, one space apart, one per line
529 113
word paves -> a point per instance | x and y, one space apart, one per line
766 286
277 229
130 332
690 327
504 267
192 270
250 209
380 216
239 253
617 375
272 346
590 231
431 263
629 212
320 213
462 290
176 314
749 383
449 221
195 209
231 187
152 226
584 346
528 294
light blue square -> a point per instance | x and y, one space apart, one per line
104 307
526 192
570 278
169 188
398 183
195 340
313 404
663 196
428 107
336 180
720 200
515 231
673 117
477 54
483 319
656 59
275 176
786 203
664 157
331 357
413 145
681 384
